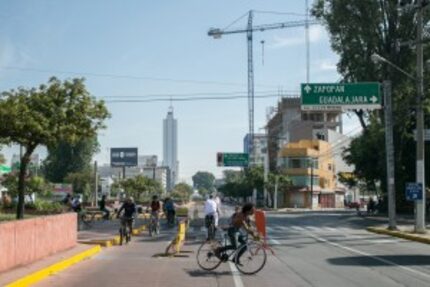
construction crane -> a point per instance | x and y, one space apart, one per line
216 33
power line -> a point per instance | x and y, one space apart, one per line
198 94
130 77
189 99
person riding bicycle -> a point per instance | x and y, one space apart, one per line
169 208
130 210
211 214
239 226
155 209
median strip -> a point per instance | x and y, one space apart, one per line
422 238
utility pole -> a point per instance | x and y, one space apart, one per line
251 84
307 41
275 199
420 224
312 181
96 184
389 150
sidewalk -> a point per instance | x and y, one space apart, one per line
48 265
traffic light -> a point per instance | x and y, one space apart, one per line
220 159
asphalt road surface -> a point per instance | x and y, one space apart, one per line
310 249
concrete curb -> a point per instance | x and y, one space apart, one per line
55 268
400 234
113 241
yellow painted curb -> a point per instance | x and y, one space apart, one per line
400 234
55 268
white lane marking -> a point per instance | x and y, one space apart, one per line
297 228
369 255
330 229
271 240
313 228
236 275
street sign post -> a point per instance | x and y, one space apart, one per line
339 96
414 191
233 159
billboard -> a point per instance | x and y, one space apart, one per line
126 156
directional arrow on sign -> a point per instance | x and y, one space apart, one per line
307 88
374 99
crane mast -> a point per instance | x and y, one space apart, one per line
217 33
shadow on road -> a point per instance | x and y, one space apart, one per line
203 273
384 260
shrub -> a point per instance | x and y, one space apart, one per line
45 207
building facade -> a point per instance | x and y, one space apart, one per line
257 151
170 148
311 167
289 123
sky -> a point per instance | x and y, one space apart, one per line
160 49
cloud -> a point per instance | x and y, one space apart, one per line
316 34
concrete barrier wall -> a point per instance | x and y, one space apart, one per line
25 241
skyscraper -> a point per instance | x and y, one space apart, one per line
170 147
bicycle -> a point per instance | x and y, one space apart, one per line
125 230
154 226
86 219
252 255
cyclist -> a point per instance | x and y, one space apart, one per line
130 210
169 207
155 210
211 215
240 224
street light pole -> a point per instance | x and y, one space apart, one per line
420 225
389 151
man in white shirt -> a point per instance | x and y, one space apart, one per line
211 209
211 215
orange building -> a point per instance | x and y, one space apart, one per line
310 166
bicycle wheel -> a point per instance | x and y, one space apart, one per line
253 258
206 255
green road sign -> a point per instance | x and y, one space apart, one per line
5 169
329 96
233 159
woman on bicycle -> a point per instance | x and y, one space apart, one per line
240 225
155 210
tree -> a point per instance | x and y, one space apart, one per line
280 179
140 187
2 159
60 111
65 158
204 179
33 184
183 191
82 182
358 29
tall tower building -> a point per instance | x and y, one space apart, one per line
170 148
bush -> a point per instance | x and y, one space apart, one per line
45 207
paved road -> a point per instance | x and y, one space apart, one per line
311 249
